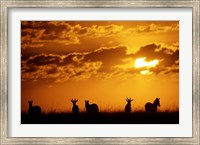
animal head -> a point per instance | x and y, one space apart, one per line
86 101
74 101
157 102
30 102
129 100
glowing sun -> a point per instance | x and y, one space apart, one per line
141 62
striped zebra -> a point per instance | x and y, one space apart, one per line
149 107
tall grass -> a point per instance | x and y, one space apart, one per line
103 117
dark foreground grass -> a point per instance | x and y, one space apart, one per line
103 118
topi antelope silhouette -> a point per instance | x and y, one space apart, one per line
75 108
152 107
128 105
34 110
91 108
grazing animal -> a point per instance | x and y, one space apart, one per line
128 105
34 110
75 108
149 107
91 108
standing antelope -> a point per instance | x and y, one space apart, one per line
34 110
75 108
149 107
128 105
91 108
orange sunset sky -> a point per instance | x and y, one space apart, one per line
100 61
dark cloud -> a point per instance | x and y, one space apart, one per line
108 56
43 59
73 58
47 25
82 31
171 71
53 70
75 65
28 68
148 51
167 55
36 33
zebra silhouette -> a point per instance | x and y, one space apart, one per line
33 110
75 108
128 105
91 108
149 107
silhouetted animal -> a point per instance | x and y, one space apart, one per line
91 108
128 105
75 108
34 110
149 107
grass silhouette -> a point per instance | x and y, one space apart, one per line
139 117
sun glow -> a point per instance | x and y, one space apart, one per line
146 72
140 62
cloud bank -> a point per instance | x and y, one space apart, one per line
104 62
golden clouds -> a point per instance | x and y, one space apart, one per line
100 63
60 51
75 66
38 34
105 31
153 28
